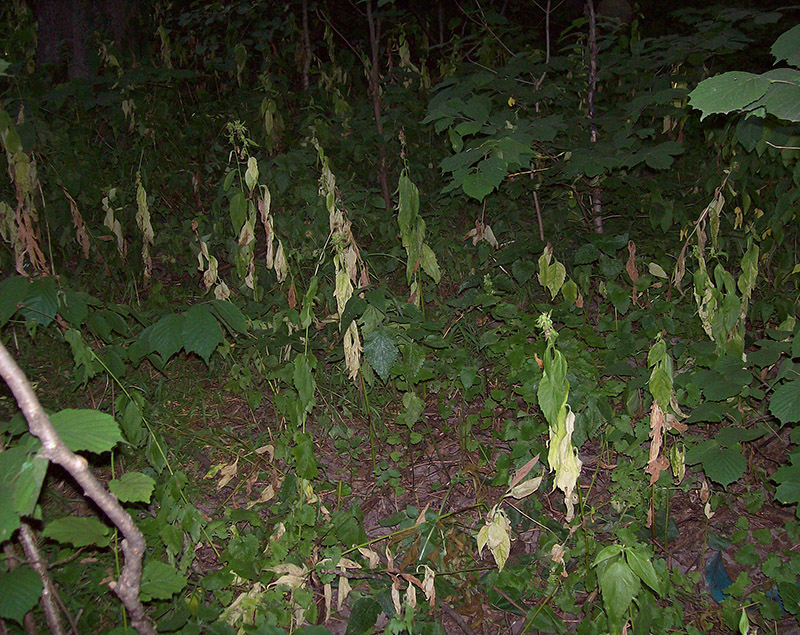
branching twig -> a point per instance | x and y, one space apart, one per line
28 542
53 449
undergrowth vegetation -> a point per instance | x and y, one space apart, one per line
553 386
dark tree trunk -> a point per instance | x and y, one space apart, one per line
375 91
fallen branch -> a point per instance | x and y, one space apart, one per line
53 449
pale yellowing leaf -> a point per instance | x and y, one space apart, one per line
268 449
373 560
227 473
267 495
344 591
657 270
563 458
411 596
251 175
428 586
328 593
495 536
525 489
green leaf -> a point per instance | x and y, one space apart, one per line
238 209
230 315
160 581
12 292
89 430
787 47
41 303
551 273
413 407
728 92
354 308
619 586
20 590
304 382
75 307
788 479
363 616
641 565
132 487
380 351
131 418
607 552
661 386
201 332
723 465
9 517
790 596
522 270
22 471
554 387
164 336
303 453
429 263
78 531
785 402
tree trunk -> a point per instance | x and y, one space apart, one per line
597 205
375 92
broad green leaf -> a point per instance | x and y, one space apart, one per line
89 430
790 596
570 291
554 387
381 352
787 47
728 92
661 386
304 382
785 402
22 470
722 465
12 292
238 210
783 100
354 308
551 273
74 307
164 336
413 407
408 207
201 333
607 553
41 303
160 581
251 174
429 263
657 352
480 184
661 156
9 517
303 453
363 616
131 418
230 315
132 487
788 478
641 565
20 590
522 270
619 585
78 531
